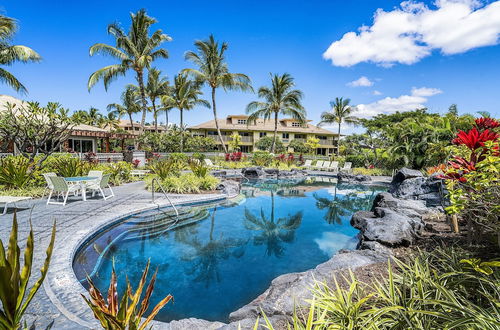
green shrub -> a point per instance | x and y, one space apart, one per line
371 171
299 147
15 171
120 171
185 183
265 143
67 166
198 168
262 158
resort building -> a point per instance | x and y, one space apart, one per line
251 132
126 126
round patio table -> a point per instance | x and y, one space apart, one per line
81 180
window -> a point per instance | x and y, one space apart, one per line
262 134
296 124
300 136
321 137
212 132
80 145
286 136
242 121
244 133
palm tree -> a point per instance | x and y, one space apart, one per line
130 105
156 87
214 72
10 54
280 98
184 95
165 107
135 50
341 113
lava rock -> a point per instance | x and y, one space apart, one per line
253 172
404 174
194 324
272 171
219 173
229 187
374 246
348 177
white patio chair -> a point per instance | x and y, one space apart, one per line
6 200
347 167
61 187
210 164
49 185
325 166
334 166
308 163
99 187
319 164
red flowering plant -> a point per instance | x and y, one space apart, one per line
473 178
136 162
234 156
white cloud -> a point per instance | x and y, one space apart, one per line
375 92
361 82
407 34
417 99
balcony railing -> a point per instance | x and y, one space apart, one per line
326 142
227 138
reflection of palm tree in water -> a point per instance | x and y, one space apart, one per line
273 232
206 256
342 206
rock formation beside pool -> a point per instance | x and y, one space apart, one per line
258 172
411 184
345 177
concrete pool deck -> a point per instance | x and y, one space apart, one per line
59 300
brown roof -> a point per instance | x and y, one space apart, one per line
262 125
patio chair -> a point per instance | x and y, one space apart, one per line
334 166
99 187
61 187
347 167
319 164
96 174
210 164
49 185
6 200
308 163
325 166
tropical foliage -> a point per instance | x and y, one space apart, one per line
170 141
15 275
266 143
279 99
341 112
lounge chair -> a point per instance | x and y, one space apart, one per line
347 167
100 186
334 166
6 200
96 174
319 164
210 164
49 186
61 187
307 164
139 172
325 166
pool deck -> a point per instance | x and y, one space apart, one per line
59 299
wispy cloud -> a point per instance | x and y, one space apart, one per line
361 82
375 92
411 32
417 99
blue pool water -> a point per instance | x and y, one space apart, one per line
220 257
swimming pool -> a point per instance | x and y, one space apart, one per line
215 258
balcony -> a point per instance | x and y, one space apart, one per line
227 138
327 142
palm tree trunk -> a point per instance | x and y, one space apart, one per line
216 122
182 130
338 140
155 114
166 120
131 121
273 146
140 80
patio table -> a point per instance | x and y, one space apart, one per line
81 180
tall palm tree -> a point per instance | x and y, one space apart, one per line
135 50
130 105
280 98
156 87
341 113
214 72
165 107
184 95
10 54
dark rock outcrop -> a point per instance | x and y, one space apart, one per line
253 172
351 178
411 184
229 187
260 173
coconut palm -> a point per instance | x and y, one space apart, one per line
214 72
156 87
184 95
341 113
10 54
135 50
280 98
273 232
130 105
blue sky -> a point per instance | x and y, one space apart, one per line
450 57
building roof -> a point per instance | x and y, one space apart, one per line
262 125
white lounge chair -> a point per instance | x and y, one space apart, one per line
99 187
308 163
325 166
49 186
210 164
347 167
334 166
6 200
139 172
319 164
61 187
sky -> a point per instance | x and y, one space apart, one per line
385 56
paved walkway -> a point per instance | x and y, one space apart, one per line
74 221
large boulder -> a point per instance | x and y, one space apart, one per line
408 184
352 178
229 187
253 172
384 226
413 209
404 174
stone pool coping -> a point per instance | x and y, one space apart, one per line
61 284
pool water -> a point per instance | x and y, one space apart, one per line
217 258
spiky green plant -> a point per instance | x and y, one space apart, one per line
125 313
15 171
14 293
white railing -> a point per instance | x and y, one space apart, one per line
5 154
108 157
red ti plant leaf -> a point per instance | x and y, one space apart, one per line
473 139
486 123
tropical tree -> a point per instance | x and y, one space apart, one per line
341 112
135 50
184 95
280 98
10 54
214 72
130 105
156 87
